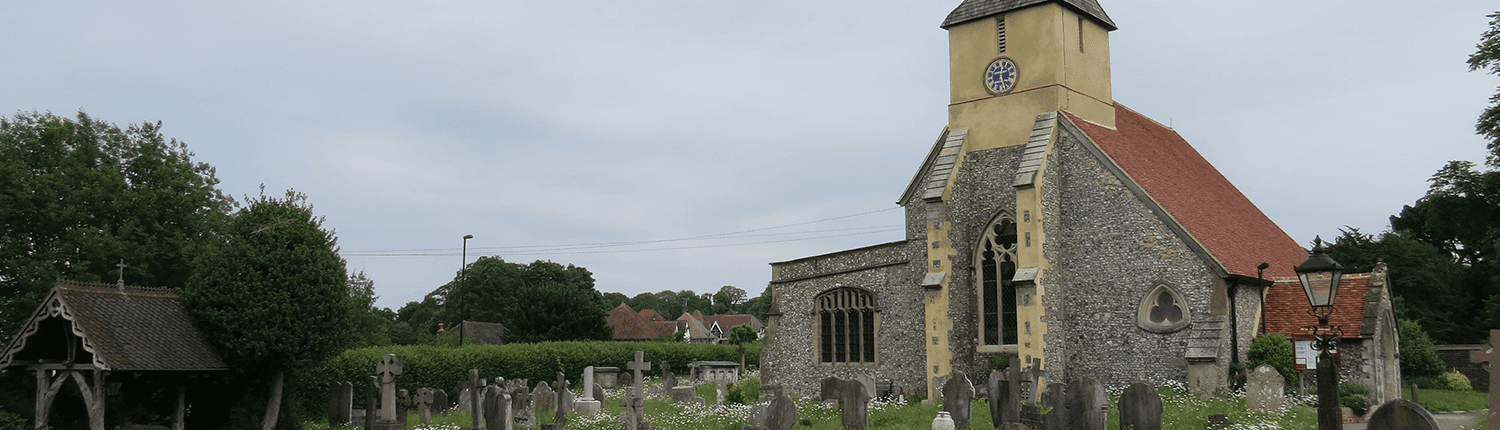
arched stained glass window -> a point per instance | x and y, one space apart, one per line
846 326
997 294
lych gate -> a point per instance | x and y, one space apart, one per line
83 331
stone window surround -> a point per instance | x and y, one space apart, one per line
987 236
867 301
1151 299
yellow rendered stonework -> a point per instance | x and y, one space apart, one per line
1063 62
938 324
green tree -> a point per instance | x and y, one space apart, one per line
760 305
1426 282
1418 355
729 299
370 325
743 334
1276 351
273 295
79 195
1487 56
417 322
537 302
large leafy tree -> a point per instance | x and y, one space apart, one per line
78 195
1426 282
537 302
1487 57
272 295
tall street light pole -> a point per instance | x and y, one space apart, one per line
463 312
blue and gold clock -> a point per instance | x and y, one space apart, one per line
1000 76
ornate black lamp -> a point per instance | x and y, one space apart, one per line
1320 277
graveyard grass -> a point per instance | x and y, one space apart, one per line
1446 400
1181 411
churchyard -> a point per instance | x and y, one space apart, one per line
744 404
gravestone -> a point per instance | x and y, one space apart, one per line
1056 398
372 391
958 398
686 394
440 401
1488 357
424 406
944 421
608 377
564 399
591 402
497 409
598 391
545 398
386 372
831 388
525 416
1264 392
782 413
1003 407
855 405
668 379
404 403
1401 414
343 404
1140 408
634 415
1088 404
721 390
471 395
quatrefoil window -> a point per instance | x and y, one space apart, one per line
1163 311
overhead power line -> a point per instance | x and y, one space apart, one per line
614 247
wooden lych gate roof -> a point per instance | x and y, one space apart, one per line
113 328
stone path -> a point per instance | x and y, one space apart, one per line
1446 420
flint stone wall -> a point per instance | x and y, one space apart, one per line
888 272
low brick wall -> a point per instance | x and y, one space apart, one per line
1457 357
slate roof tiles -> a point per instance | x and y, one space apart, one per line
134 329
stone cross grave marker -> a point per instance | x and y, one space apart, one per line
958 398
1263 392
741 350
1488 357
424 405
404 402
563 398
1401 414
388 368
635 401
1140 408
473 397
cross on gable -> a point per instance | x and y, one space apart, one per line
388 368
640 362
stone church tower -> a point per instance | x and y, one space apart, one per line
1049 224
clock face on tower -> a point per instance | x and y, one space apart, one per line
1000 76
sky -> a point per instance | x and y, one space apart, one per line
669 145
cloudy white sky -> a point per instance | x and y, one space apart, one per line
685 145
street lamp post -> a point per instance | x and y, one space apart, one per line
463 312
1320 276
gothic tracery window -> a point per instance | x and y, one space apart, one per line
846 326
1163 310
997 294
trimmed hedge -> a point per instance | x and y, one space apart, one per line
444 367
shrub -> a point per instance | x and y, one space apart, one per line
1356 403
1349 389
1454 381
1418 355
997 362
12 421
1276 351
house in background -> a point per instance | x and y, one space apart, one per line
627 324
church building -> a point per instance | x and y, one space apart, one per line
1049 223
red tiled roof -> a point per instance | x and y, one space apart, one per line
1286 306
727 322
1225 223
626 324
651 315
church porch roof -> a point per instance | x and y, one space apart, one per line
1286 307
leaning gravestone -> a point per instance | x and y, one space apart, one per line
1140 408
1003 407
1264 390
782 413
1088 405
1401 414
687 394
496 409
958 398
598 391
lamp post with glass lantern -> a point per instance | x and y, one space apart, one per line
1320 276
